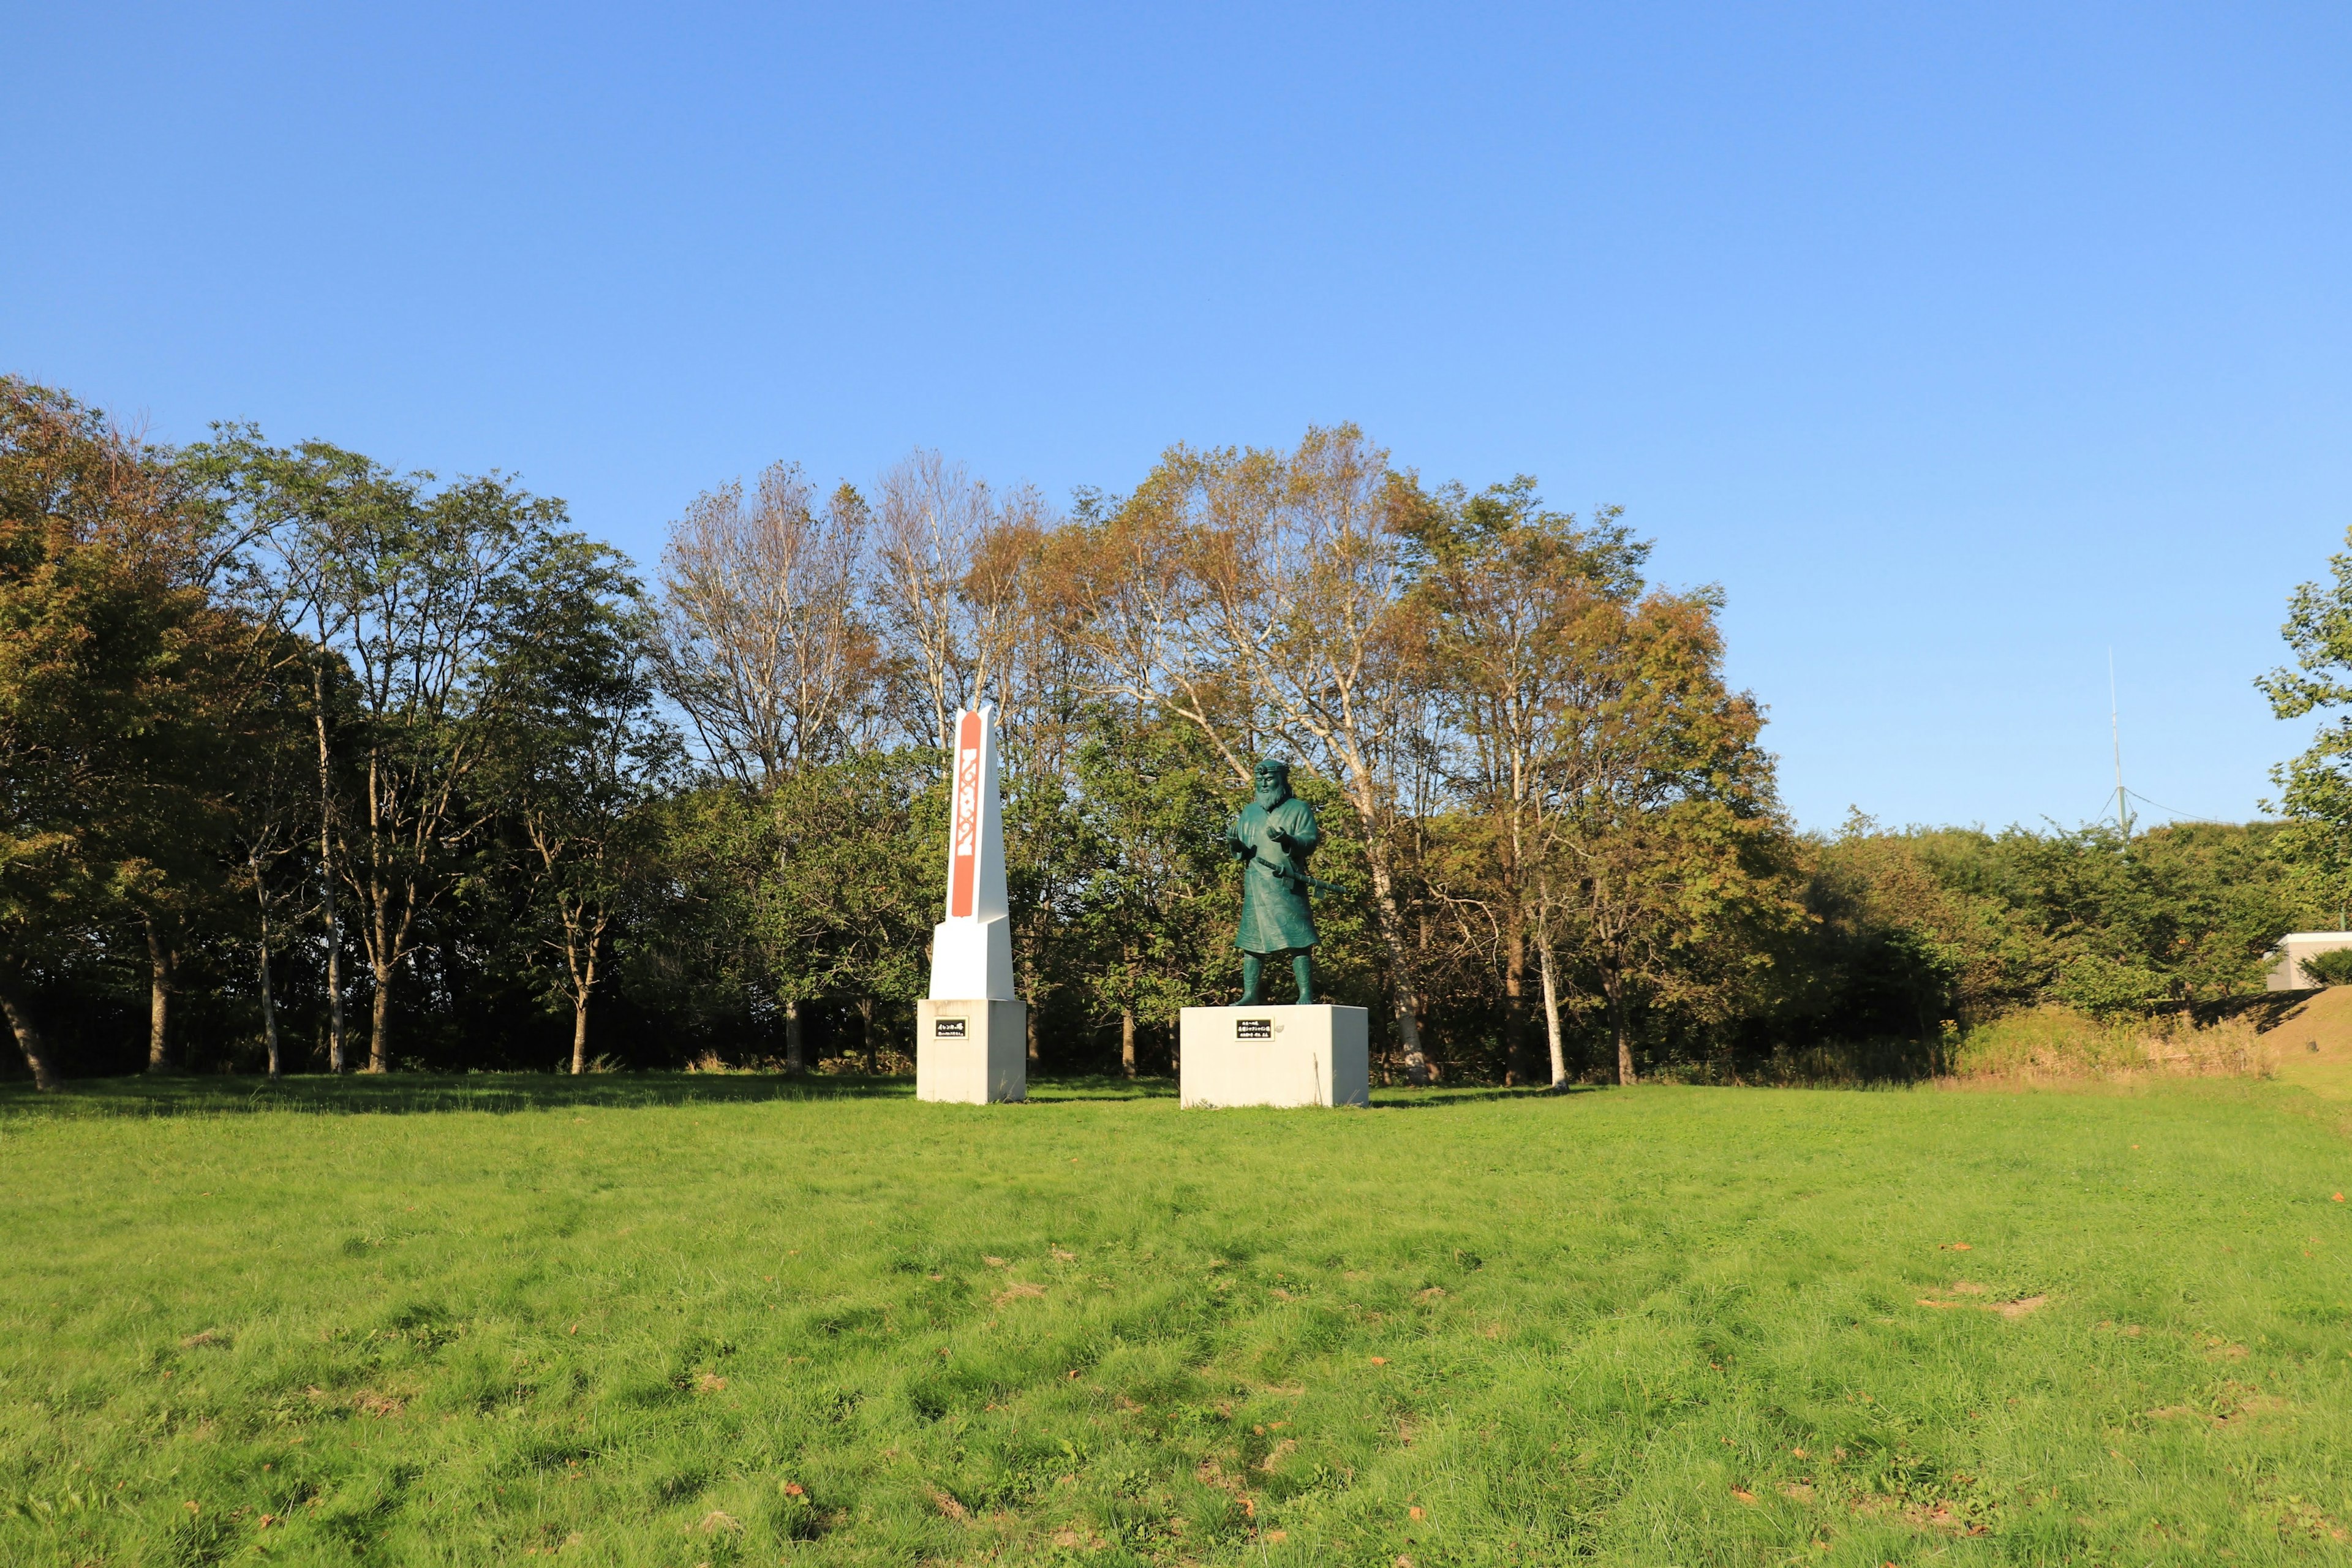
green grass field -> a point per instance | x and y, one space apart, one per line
685 1321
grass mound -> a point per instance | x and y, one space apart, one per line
2042 1043
1671 1325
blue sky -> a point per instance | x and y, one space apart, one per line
1957 343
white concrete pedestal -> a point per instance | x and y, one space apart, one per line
1276 1056
971 1053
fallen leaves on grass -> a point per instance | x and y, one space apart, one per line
991 1262
1744 1495
368 1402
715 1520
708 1382
1954 1247
1017 1290
1062 1257
1798 1491
209 1337
949 1505
1379 1361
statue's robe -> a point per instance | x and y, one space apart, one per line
1277 916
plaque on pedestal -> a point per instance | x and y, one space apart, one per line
1265 1055
971 1053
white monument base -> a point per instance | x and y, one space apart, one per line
1276 1056
971 1053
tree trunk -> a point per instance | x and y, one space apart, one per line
383 963
29 1041
335 1054
1551 1012
380 1021
1029 1016
1515 1000
158 999
1126 1041
1404 1003
795 1062
269 996
866 1036
583 989
1614 985
579 1033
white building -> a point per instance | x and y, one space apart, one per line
2286 972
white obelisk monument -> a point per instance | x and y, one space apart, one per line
971 1034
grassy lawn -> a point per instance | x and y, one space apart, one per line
672 1320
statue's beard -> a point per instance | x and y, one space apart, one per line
1270 796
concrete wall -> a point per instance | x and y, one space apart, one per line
2286 970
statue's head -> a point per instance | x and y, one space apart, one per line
1272 778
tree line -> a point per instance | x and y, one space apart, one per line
308 763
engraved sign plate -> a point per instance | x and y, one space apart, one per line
1252 1029
947 1028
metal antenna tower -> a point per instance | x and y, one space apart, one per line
2115 731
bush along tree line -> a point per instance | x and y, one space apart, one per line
311 764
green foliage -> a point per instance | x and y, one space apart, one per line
1926 926
2330 968
1662 1326
398 752
2315 788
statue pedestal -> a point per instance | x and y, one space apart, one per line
971 1053
1318 1055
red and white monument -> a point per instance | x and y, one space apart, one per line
971 1034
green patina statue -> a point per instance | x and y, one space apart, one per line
1272 837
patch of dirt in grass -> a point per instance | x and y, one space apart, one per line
2304 1521
1275 1456
2234 1405
1797 1491
2016 1309
1938 1516
1016 1290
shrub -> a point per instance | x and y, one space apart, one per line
2329 968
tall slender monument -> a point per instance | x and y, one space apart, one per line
971 1034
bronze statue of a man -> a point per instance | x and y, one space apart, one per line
1272 837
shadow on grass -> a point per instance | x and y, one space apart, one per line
424 1094
409 1094
1443 1098
1103 1086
